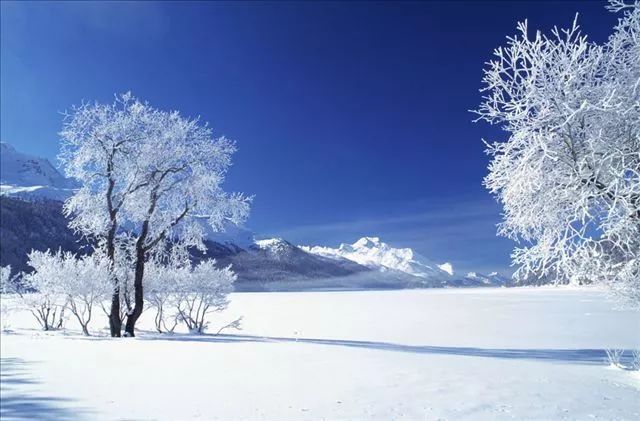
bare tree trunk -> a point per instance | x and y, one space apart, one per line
115 323
158 319
138 295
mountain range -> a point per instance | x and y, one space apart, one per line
32 191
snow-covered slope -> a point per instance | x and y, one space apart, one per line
373 253
27 176
276 264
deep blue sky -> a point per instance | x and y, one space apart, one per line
351 118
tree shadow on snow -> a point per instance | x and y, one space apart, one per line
575 356
18 405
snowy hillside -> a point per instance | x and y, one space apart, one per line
26 176
276 264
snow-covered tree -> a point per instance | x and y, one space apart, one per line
77 283
154 173
41 293
5 277
86 281
6 287
161 291
568 176
202 291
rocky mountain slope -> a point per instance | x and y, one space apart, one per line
27 225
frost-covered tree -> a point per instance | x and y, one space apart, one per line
151 172
5 280
7 286
41 293
161 291
568 176
203 290
86 282
182 293
77 283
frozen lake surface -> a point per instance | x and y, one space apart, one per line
487 354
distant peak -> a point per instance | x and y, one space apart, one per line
21 173
367 242
270 242
447 267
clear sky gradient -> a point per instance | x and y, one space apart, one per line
351 118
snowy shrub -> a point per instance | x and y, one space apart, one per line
614 357
7 286
182 293
234 324
5 279
162 282
203 291
85 281
568 176
41 294
65 280
635 362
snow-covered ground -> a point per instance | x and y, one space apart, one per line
450 354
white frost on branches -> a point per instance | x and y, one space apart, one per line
63 280
7 286
568 176
151 173
182 293
202 291
144 164
161 286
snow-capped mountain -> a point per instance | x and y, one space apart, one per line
27 176
276 264
447 267
379 256
373 253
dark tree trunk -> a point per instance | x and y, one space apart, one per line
115 324
138 294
